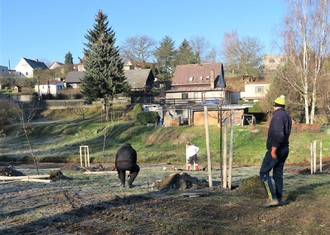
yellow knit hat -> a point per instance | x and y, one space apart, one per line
280 100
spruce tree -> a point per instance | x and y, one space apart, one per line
104 76
68 62
165 55
185 54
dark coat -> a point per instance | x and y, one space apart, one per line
279 129
126 153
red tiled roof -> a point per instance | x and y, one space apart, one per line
195 73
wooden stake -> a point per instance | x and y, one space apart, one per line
314 154
207 135
311 148
224 162
231 148
321 156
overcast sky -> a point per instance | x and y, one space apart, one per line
47 30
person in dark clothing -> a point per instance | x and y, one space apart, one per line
277 153
126 159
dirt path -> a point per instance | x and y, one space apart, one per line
94 204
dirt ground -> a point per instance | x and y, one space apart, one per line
95 204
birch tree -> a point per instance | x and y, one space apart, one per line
306 44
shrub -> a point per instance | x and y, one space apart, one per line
147 117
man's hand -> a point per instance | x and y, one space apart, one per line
273 153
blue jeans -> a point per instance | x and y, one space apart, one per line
277 166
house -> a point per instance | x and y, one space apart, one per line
73 79
25 67
17 89
255 91
55 65
196 86
4 71
272 62
47 87
194 83
141 80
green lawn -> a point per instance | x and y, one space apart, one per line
57 138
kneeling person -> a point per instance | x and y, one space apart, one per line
126 159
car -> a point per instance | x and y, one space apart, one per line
211 101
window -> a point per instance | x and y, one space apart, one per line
200 78
184 95
191 79
259 89
207 78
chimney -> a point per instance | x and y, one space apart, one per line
212 78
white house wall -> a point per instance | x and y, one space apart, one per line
255 90
24 69
53 89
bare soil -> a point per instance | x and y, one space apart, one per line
95 204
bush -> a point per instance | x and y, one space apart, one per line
7 112
147 117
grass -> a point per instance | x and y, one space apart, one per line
56 137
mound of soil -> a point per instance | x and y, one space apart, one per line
252 185
179 182
57 175
77 167
9 171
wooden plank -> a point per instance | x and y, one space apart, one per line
100 172
36 180
24 177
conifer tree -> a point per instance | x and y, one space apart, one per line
185 54
165 55
104 76
68 62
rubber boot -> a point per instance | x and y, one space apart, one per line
188 167
196 167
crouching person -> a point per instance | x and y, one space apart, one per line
126 159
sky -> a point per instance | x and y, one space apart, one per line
48 30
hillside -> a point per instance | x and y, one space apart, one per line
57 135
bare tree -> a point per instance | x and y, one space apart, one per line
139 49
203 49
25 115
306 44
243 56
106 131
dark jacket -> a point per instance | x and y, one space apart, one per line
279 129
126 153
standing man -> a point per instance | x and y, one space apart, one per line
191 156
277 152
126 159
